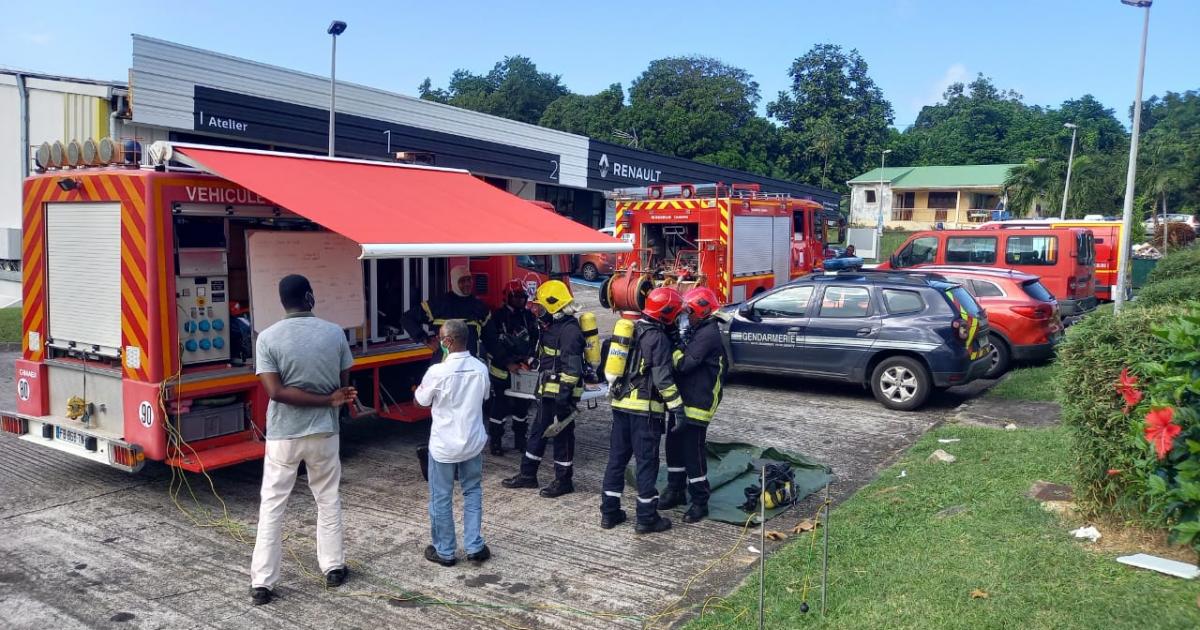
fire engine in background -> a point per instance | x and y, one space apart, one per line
131 350
733 239
1107 236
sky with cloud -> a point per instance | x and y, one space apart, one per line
1047 50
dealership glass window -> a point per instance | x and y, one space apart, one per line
971 249
845 302
790 302
870 196
1031 250
899 301
921 251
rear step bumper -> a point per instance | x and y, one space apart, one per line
68 437
219 456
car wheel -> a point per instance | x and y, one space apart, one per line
1001 358
589 272
901 383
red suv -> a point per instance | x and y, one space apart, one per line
1023 315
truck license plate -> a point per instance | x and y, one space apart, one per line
72 437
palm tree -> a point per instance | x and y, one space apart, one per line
825 138
1164 171
1031 183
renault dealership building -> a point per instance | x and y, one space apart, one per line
190 95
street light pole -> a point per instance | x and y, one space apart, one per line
882 161
1131 173
336 28
1062 216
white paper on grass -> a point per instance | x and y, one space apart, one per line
1162 565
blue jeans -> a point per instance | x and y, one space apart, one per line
441 505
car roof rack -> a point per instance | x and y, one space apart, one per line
922 277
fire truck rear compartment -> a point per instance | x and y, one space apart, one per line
664 241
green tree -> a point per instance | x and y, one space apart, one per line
597 116
1169 160
1032 185
513 89
699 108
835 118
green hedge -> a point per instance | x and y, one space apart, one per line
1173 291
1089 364
1177 264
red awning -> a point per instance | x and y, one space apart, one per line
395 210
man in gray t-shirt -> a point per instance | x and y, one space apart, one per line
304 364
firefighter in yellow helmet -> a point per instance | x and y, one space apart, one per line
560 385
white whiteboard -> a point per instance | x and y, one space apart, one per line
329 261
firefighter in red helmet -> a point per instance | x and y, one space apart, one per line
641 397
700 372
510 337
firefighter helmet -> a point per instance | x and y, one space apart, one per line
553 296
664 304
515 287
701 303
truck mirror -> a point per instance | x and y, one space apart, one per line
894 260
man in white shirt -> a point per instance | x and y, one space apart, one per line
455 388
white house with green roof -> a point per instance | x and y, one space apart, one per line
920 197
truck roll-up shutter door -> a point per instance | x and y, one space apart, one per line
752 247
83 275
781 249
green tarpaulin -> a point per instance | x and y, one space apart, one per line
734 466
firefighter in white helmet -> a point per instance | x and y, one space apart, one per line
422 322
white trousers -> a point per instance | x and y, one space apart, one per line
320 456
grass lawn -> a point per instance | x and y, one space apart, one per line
895 562
10 324
1026 383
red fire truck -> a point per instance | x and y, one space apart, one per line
734 239
135 279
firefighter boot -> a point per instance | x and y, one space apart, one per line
696 513
609 520
653 527
557 488
520 481
671 498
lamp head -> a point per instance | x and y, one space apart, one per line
1141 4
1070 125
337 27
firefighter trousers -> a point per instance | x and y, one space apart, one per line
638 437
502 408
687 463
544 411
